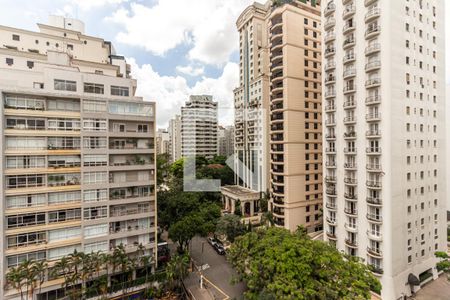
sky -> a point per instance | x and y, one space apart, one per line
175 47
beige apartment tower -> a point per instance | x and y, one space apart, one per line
385 141
77 147
295 114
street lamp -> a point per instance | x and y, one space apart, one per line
201 267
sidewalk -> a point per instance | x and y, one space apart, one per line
209 291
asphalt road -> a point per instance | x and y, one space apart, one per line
219 272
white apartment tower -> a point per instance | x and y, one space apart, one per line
175 138
199 127
384 136
77 148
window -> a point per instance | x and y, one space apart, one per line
65 85
64 215
25 124
18 102
94 125
64 233
63 105
95 160
62 251
26 220
61 161
94 106
9 61
30 64
64 197
95 230
120 91
95 177
98 212
69 46
15 260
94 88
95 195
64 124
15 143
94 142
24 181
127 108
25 201
95 247
25 162
59 143
16 37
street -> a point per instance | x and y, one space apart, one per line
217 271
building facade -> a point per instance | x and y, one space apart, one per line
384 91
175 138
78 171
199 127
162 141
251 101
225 141
295 115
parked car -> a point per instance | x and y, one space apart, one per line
212 241
219 249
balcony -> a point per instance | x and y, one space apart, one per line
330 80
373 150
330 108
372 14
331 236
350 197
330 164
374 218
349 42
373 117
372 83
331 8
373 31
374 252
351 151
351 228
373 134
369 2
330 192
352 243
372 66
374 201
348 28
375 184
372 48
374 235
350 120
330 137
329 23
127 210
350 166
330 94
330 122
331 206
350 181
330 179
349 104
330 66
350 135
349 73
349 89
351 211
373 168
348 12
331 221
371 100
349 58
330 51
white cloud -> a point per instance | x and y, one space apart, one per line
171 92
190 70
89 4
206 26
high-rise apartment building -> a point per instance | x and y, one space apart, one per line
294 33
199 127
77 148
162 141
225 141
175 138
384 109
251 101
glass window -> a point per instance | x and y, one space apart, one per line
19 102
25 201
95 230
64 197
120 91
64 215
94 106
25 162
65 85
95 195
64 233
94 125
95 160
98 212
130 108
95 177
63 105
62 251
94 142
94 88
95 247
15 260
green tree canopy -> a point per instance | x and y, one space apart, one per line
285 265
231 226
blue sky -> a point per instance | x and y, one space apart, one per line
175 47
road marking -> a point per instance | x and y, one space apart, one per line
216 287
204 267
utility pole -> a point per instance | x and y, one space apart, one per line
201 267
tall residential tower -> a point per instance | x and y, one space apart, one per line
77 148
385 137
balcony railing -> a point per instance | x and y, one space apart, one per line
351 211
373 100
372 48
351 243
351 181
373 150
374 201
373 183
372 14
374 217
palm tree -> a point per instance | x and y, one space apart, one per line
267 219
177 269
62 267
39 270
15 278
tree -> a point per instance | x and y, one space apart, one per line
16 279
177 270
285 265
230 226
237 208
184 230
162 167
444 262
